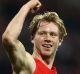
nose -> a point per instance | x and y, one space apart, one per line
47 38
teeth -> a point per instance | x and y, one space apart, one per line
47 45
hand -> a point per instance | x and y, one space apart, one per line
38 5
34 5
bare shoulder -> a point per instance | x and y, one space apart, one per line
27 65
24 61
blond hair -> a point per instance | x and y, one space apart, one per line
49 17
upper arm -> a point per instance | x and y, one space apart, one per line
20 59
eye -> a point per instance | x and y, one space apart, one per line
41 33
53 34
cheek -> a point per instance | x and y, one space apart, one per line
56 41
38 41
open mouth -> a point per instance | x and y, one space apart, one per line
47 45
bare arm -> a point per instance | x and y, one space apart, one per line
20 59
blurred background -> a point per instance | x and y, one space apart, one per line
68 56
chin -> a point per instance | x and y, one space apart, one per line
47 54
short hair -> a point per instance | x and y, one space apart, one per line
49 17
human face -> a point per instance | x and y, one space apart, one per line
46 39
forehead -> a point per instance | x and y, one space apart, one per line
48 26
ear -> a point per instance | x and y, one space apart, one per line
60 42
32 41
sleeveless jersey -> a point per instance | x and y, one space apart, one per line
42 69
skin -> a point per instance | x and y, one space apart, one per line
22 62
46 39
46 42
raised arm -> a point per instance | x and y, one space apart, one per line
15 26
15 49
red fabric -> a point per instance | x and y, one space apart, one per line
42 69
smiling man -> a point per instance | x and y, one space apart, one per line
47 32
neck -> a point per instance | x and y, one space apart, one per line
47 60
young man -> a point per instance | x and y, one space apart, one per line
47 33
